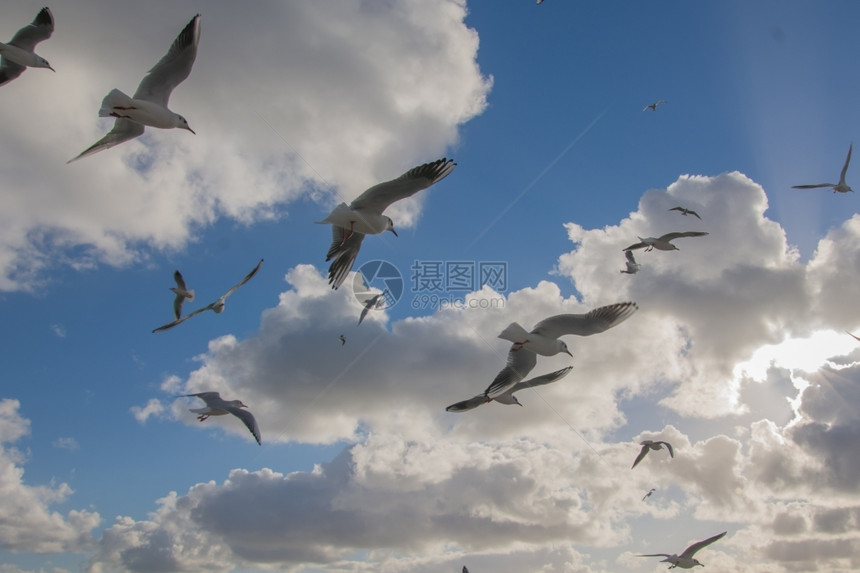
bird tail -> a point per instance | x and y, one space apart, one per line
514 332
114 99
190 296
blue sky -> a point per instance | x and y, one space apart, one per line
738 354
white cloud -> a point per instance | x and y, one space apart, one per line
69 444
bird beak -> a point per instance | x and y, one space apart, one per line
52 69
395 232
568 353
191 130
520 405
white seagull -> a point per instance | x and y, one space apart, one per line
685 211
649 445
350 223
685 560
508 396
149 104
653 106
662 243
217 306
216 406
182 293
632 265
842 186
371 303
17 55
647 495
544 340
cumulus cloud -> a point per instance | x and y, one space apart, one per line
276 127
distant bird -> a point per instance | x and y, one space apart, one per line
662 243
539 2
371 303
182 293
685 211
842 186
465 570
149 104
508 396
857 338
544 340
632 265
215 406
17 55
350 223
647 495
342 339
685 560
217 306
648 445
653 106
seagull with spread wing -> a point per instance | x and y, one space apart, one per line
216 406
647 446
217 306
685 560
17 55
842 186
149 104
508 396
663 243
632 265
653 106
372 303
182 292
685 211
350 223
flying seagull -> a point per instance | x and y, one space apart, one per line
544 340
647 495
342 339
632 265
842 186
662 243
653 106
350 223
182 293
508 397
648 445
217 306
149 104
216 406
17 55
371 303
685 211
685 560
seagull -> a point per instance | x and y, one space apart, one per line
651 445
508 397
685 211
647 495
653 106
342 339
632 265
350 223
17 55
149 104
842 186
182 293
685 560
371 303
217 306
216 406
662 243
544 340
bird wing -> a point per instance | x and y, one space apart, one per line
541 380
655 555
249 421
636 246
845 167
248 277
592 322
123 130
691 550
670 236
668 447
9 70
816 186
184 318
180 282
520 363
177 305
380 196
344 251
173 68
857 338
207 396
368 304
642 453
691 212
467 405
630 259
40 29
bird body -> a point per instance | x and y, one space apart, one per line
17 55
663 243
685 560
842 186
508 397
365 221
217 406
118 104
648 445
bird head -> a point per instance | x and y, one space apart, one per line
241 404
43 63
182 123
389 226
697 562
562 347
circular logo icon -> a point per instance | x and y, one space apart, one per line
380 276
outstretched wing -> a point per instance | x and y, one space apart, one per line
635 246
541 380
845 167
344 249
248 277
184 318
668 447
206 396
249 421
671 236
123 130
40 29
592 322
380 196
173 68
467 405
520 363
642 453
691 550
630 259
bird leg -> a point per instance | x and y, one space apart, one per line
519 345
202 417
348 235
